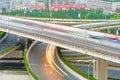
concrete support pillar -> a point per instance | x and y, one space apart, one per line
117 31
100 69
109 31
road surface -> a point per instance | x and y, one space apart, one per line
41 66
9 41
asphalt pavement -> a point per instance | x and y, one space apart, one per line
41 67
39 64
9 41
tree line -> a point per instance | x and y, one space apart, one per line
70 14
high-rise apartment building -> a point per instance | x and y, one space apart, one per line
108 7
4 5
59 2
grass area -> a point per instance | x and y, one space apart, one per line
2 34
82 73
28 67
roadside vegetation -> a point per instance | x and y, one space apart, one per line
112 31
2 34
82 73
70 14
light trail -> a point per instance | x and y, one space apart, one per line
53 47
50 62
49 55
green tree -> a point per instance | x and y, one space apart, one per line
115 16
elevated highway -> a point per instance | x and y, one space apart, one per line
59 36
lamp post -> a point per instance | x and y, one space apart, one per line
93 61
90 62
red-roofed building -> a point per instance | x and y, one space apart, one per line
77 6
59 7
37 7
66 7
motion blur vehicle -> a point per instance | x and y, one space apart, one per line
102 36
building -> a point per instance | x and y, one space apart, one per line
115 5
108 7
50 3
81 2
4 5
15 4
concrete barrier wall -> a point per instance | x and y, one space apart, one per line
69 69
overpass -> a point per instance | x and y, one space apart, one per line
116 27
61 36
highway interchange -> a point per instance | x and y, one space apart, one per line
37 29
38 62
57 35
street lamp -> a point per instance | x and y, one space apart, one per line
90 62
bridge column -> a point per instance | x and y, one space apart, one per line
100 69
117 31
109 31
